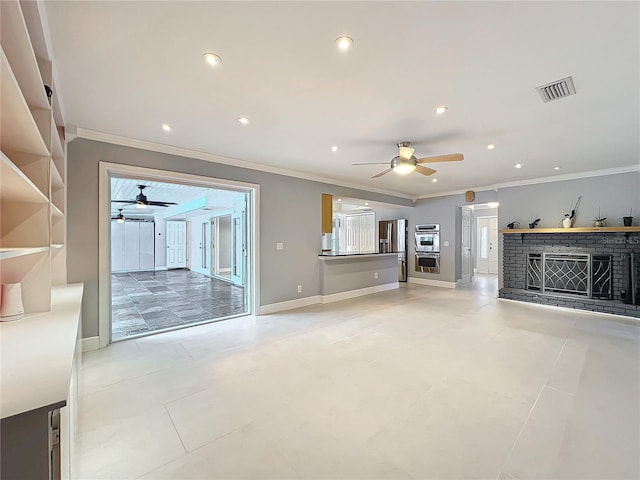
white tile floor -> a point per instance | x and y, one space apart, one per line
419 382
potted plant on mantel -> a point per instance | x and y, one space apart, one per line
599 221
567 222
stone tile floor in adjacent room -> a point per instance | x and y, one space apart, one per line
143 302
418 382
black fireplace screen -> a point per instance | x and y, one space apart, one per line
583 275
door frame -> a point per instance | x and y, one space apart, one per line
108 170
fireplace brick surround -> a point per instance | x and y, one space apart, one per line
617 244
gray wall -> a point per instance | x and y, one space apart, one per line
290 212
353 273
224 242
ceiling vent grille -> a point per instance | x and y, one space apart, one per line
556 90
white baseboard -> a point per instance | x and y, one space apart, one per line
336 297
90 343
289 304
159 269
431 283
316 299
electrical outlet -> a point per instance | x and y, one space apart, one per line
279 246
299 288
375 275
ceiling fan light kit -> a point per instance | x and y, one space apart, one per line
406 162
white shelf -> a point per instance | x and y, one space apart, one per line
56 212
15 186
19 252
56 179
57 245
56 144
19 130
37 354
19 51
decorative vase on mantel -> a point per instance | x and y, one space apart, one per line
566 222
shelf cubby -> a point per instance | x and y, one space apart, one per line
33 271
17 186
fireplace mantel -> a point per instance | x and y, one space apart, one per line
571 230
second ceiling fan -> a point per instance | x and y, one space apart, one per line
406 162
141 200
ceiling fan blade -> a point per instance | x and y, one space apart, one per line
452 157
406 152
123 201
382 173
425 170
161 204
371 163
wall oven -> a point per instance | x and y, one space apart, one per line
428 238
427 248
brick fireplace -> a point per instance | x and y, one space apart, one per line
587 269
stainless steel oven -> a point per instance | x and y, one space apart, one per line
428 262
428 238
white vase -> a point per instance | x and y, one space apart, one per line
566 223
11 307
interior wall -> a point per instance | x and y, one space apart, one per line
224 242
161 243
290 212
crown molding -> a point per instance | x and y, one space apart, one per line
88 134
534 181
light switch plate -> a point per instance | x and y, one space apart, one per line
279 246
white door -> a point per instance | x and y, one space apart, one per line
117 246
176 244
238 247
482 243
493 245
147 246
465 245
352 234
131 246
368 233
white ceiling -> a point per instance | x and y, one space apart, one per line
124 68
127 189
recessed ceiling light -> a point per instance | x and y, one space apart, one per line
434 180
518 165
440 110
556 168
339 199
212 59
166 127
334 148
491 146
244 120
344 43
366 204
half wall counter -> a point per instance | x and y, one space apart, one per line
345 276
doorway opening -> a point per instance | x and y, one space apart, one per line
478 254
183 254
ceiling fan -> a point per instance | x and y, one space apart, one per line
142 202
406 162
120 218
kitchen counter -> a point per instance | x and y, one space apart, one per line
331 256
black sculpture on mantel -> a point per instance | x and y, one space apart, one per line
513 224
534 224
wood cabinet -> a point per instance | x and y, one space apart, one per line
32 161
327 213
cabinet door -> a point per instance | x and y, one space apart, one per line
117 246
147 244
352 230
131 246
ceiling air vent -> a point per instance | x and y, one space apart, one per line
556 90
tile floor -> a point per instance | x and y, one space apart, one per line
143 302
414 383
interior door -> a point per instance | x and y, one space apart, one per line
483 245
238 244
465 245
176 244
493 245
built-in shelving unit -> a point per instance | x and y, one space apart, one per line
571 230
32 160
